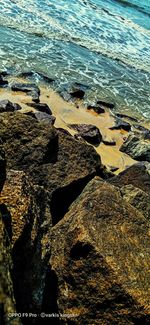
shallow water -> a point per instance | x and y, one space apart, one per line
104 44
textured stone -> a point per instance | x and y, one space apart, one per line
7 106
137 147
88 132
100 260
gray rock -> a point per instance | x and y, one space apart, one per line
7 106
136 147
88 132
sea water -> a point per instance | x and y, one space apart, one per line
104 44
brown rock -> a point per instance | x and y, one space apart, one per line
100 259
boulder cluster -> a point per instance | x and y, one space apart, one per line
73 237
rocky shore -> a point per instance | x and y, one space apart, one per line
74 208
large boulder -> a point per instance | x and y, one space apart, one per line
26 215
100 260
137 175
137 147
53 159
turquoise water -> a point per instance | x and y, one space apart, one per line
105 44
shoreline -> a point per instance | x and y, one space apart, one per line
75 112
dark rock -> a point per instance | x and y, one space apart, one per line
131 118
137 175
42 117
42 107
97 109
31 89
106 104
98 248
3 82
7 300
26 74
29 228
145 131
75 90
137 198
108 141
88 132
7 106
53 159
119 124
137 148
2 168
46 78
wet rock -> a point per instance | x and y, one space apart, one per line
96 108
98 248
3 82
137 198
106 104
26 74
119 124
131 118
28 223
46 78
136 147
43 117
42 107
75 90
31 90
88 132
145 131
137 175
7 106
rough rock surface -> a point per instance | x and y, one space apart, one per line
25 210
31 89
137 175
100 259
7 106
137 147
52 158
88 132
42 107
120 124
43 117
138 198
2 167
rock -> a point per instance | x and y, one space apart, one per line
131 118
106 104
88 132
3 82
26 74
29 224
100 260
43 117
119 124
137 148
51 158
46 78
138 198
96 108
7 106
145 131
7 300
42 107
108 141
137 175
31 89
75 90
2 168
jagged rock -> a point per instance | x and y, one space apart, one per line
138 198
106 104
53 159
25 211
120 124
145 131
136 147
96 108
2 168
7 301
42 107
42 117
137 175
31 89
7 106
88 132
100 259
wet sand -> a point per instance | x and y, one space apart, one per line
69 113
